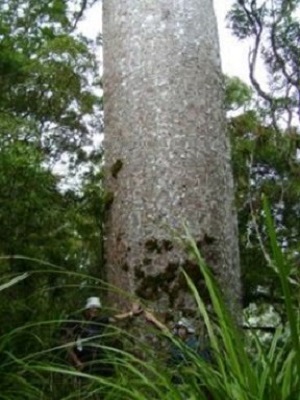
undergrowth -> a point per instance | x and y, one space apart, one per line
33 362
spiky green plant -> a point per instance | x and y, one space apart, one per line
267 372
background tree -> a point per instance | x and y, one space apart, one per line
167 155
273 27
265 162
50 110
48 77
267 143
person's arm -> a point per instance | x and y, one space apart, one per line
74 359
151 318
68 335
135 310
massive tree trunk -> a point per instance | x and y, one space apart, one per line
166 150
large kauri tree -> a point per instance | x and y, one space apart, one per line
166 150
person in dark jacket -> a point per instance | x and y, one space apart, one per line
183 330
83 337
180 352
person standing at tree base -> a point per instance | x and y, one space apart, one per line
84 338
182 352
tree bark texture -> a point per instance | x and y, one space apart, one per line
167 156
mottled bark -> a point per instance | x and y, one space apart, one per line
166 150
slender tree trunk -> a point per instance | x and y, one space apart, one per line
166 150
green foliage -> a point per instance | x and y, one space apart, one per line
27 190
273 27
239 369
237 93
271 372
50 109
265 162
48 77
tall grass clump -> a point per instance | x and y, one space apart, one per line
235 369
267 371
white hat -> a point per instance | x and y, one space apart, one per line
93 302
187 324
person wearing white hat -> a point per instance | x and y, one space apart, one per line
179 353
187 324
84 336
183 328
93 302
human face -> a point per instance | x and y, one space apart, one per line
92 312
182 332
